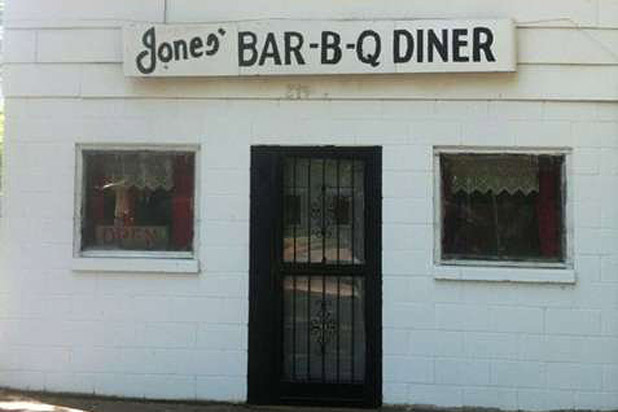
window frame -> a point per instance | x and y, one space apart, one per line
101 259
442 266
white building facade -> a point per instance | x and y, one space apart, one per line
443 238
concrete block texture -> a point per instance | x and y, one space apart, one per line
447 341
74 13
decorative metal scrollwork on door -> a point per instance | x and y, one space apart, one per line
323 326
323 204
322 262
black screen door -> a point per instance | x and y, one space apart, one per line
315 294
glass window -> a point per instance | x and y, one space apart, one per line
502 207
323 210
138 200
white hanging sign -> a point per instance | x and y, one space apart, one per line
284 47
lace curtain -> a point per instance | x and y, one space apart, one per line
141 170
495 174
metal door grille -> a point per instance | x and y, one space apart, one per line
315 276
323 270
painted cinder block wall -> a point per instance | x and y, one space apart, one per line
510 345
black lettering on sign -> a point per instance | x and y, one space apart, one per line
165 52
460 40
177 50
147 60
293 43
419 46
247 42
195 47
181 51
212 41
484 44
403 46
331 41
372 57
436 44
270 50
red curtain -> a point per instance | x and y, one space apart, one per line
547 209
182 203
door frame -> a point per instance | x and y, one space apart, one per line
266 199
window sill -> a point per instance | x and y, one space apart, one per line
136 265
505 274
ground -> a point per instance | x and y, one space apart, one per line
16 401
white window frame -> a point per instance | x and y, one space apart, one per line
128 260
505 271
